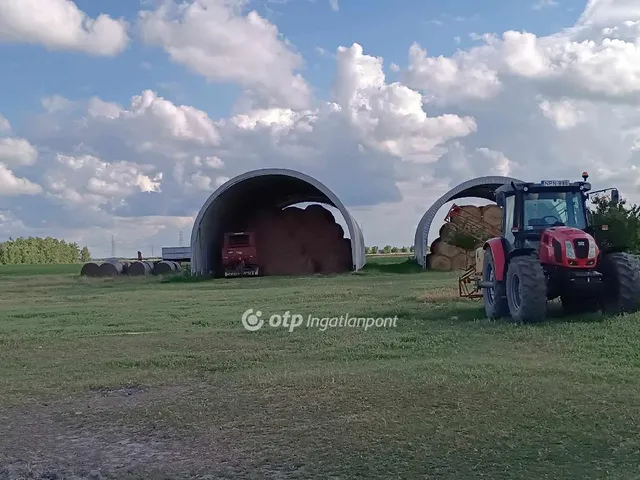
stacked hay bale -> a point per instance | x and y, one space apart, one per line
492 214
297 241
453 250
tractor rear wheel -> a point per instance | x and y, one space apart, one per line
526 289
495 301
621 279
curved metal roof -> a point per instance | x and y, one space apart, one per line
234 201
481 187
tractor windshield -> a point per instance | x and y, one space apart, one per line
548 209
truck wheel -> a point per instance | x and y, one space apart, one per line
526 290
495 302
621 279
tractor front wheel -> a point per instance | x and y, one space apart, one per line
495 302
621 279
526 289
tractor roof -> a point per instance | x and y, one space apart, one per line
546 185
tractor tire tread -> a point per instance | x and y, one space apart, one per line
626 268
533 302
499 308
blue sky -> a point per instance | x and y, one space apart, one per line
387 147
384 28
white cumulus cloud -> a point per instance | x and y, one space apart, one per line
61 25
219 41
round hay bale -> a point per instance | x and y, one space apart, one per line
460 261
468 210
447 231
140 269
90 269
165 267
111 269
440 247
319 212
438 263
492 214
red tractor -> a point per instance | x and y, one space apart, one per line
239 255
547 251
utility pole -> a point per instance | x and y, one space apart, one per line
152 255
113 246
180 238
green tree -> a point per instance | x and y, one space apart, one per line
622 221
387 249
394 249
85 255
411 249
35 250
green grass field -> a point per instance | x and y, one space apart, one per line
143 378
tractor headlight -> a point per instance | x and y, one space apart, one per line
592 249
571 253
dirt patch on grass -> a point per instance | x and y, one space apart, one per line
91 438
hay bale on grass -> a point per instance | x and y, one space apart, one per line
166 267
439 263
140 269
111 269
90 269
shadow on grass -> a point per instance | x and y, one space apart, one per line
408 266
187 278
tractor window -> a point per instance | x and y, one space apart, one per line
546 209
509 209
238 240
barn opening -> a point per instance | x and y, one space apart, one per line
294 233
482 190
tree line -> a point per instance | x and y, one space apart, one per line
36 250
388 249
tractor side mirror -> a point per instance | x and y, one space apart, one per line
615 196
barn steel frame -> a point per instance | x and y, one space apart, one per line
481 187
250 191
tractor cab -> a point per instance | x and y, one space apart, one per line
530 208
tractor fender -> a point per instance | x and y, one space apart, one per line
614 249
498 252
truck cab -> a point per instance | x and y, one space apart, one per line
239 254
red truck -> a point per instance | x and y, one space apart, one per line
239 255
